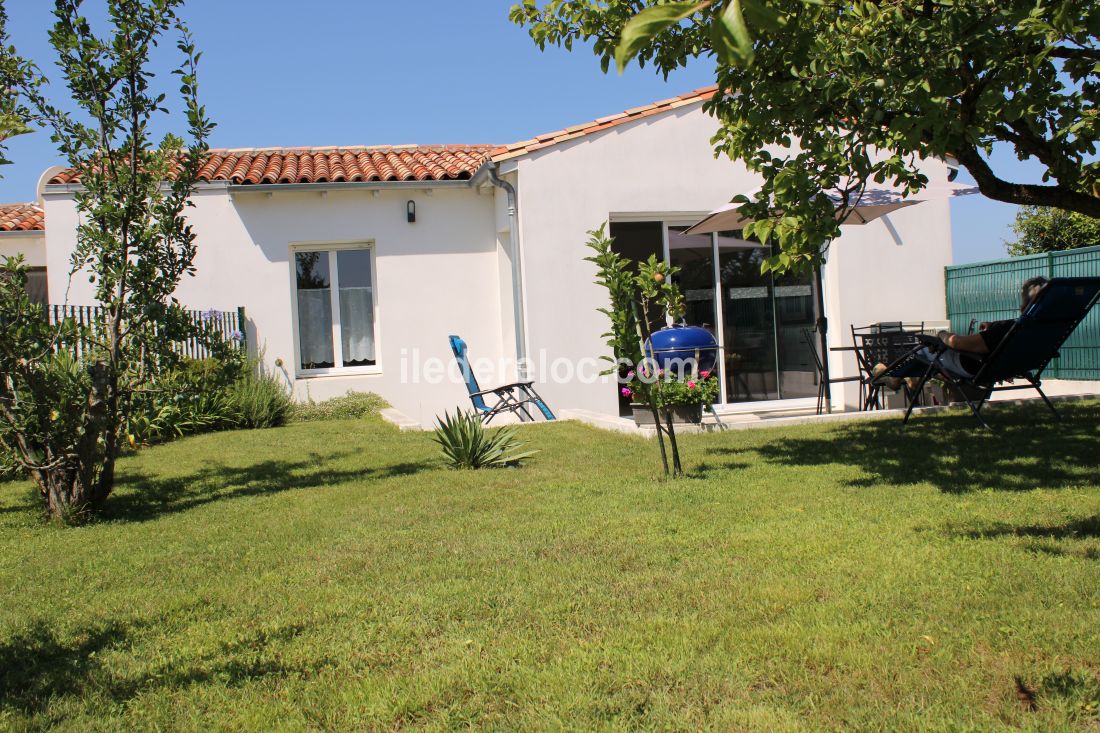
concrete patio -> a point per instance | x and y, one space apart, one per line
736 417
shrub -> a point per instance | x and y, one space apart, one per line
191 398
352 406
466 443
258 400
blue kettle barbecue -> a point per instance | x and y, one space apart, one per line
675 345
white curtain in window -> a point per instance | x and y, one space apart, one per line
357 324
315 327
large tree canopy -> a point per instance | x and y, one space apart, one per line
865 88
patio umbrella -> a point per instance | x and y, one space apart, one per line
878 200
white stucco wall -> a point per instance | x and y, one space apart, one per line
664 165
435 277
32 245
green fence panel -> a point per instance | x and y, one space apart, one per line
990 291
1081 354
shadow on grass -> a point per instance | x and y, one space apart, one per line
1082 528
40 665
1073 538
147 497
1028 449
704 470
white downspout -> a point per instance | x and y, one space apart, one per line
494 178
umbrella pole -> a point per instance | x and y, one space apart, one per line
823 330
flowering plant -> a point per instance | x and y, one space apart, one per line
669 389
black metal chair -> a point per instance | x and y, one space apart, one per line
810 335
881 343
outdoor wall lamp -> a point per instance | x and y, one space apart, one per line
410 210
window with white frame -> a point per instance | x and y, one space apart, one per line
334 294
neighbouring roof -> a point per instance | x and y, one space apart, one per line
22 218
336 165
256 166
570 133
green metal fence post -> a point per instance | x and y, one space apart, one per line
1055 363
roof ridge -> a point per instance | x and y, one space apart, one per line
334 148
545 140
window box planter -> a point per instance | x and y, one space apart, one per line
681 414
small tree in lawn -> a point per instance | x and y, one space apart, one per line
640 294
64 418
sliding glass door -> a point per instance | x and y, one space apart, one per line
758 320
765 320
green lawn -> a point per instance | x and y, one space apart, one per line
334 576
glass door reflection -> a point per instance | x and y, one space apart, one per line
795 313
694 255
748 321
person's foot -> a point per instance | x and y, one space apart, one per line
891 383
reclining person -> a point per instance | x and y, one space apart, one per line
960 358
963 355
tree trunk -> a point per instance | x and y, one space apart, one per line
77 483
677 468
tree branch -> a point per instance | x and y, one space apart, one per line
1064 52
1025 194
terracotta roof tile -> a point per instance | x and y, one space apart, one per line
22 218
571 133
336 165
397 162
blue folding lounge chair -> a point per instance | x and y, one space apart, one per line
1026 350
509 398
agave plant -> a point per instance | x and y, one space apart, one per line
467 444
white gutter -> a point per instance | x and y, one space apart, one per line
272 187
345 185
490 172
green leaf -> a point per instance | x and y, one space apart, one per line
647 25
762 16
729 34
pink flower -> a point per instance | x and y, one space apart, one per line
691 384
627 392
630 374
705 374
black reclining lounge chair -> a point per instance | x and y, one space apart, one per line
1026 350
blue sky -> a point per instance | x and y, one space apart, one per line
351 72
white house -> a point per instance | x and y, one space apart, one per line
355 264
